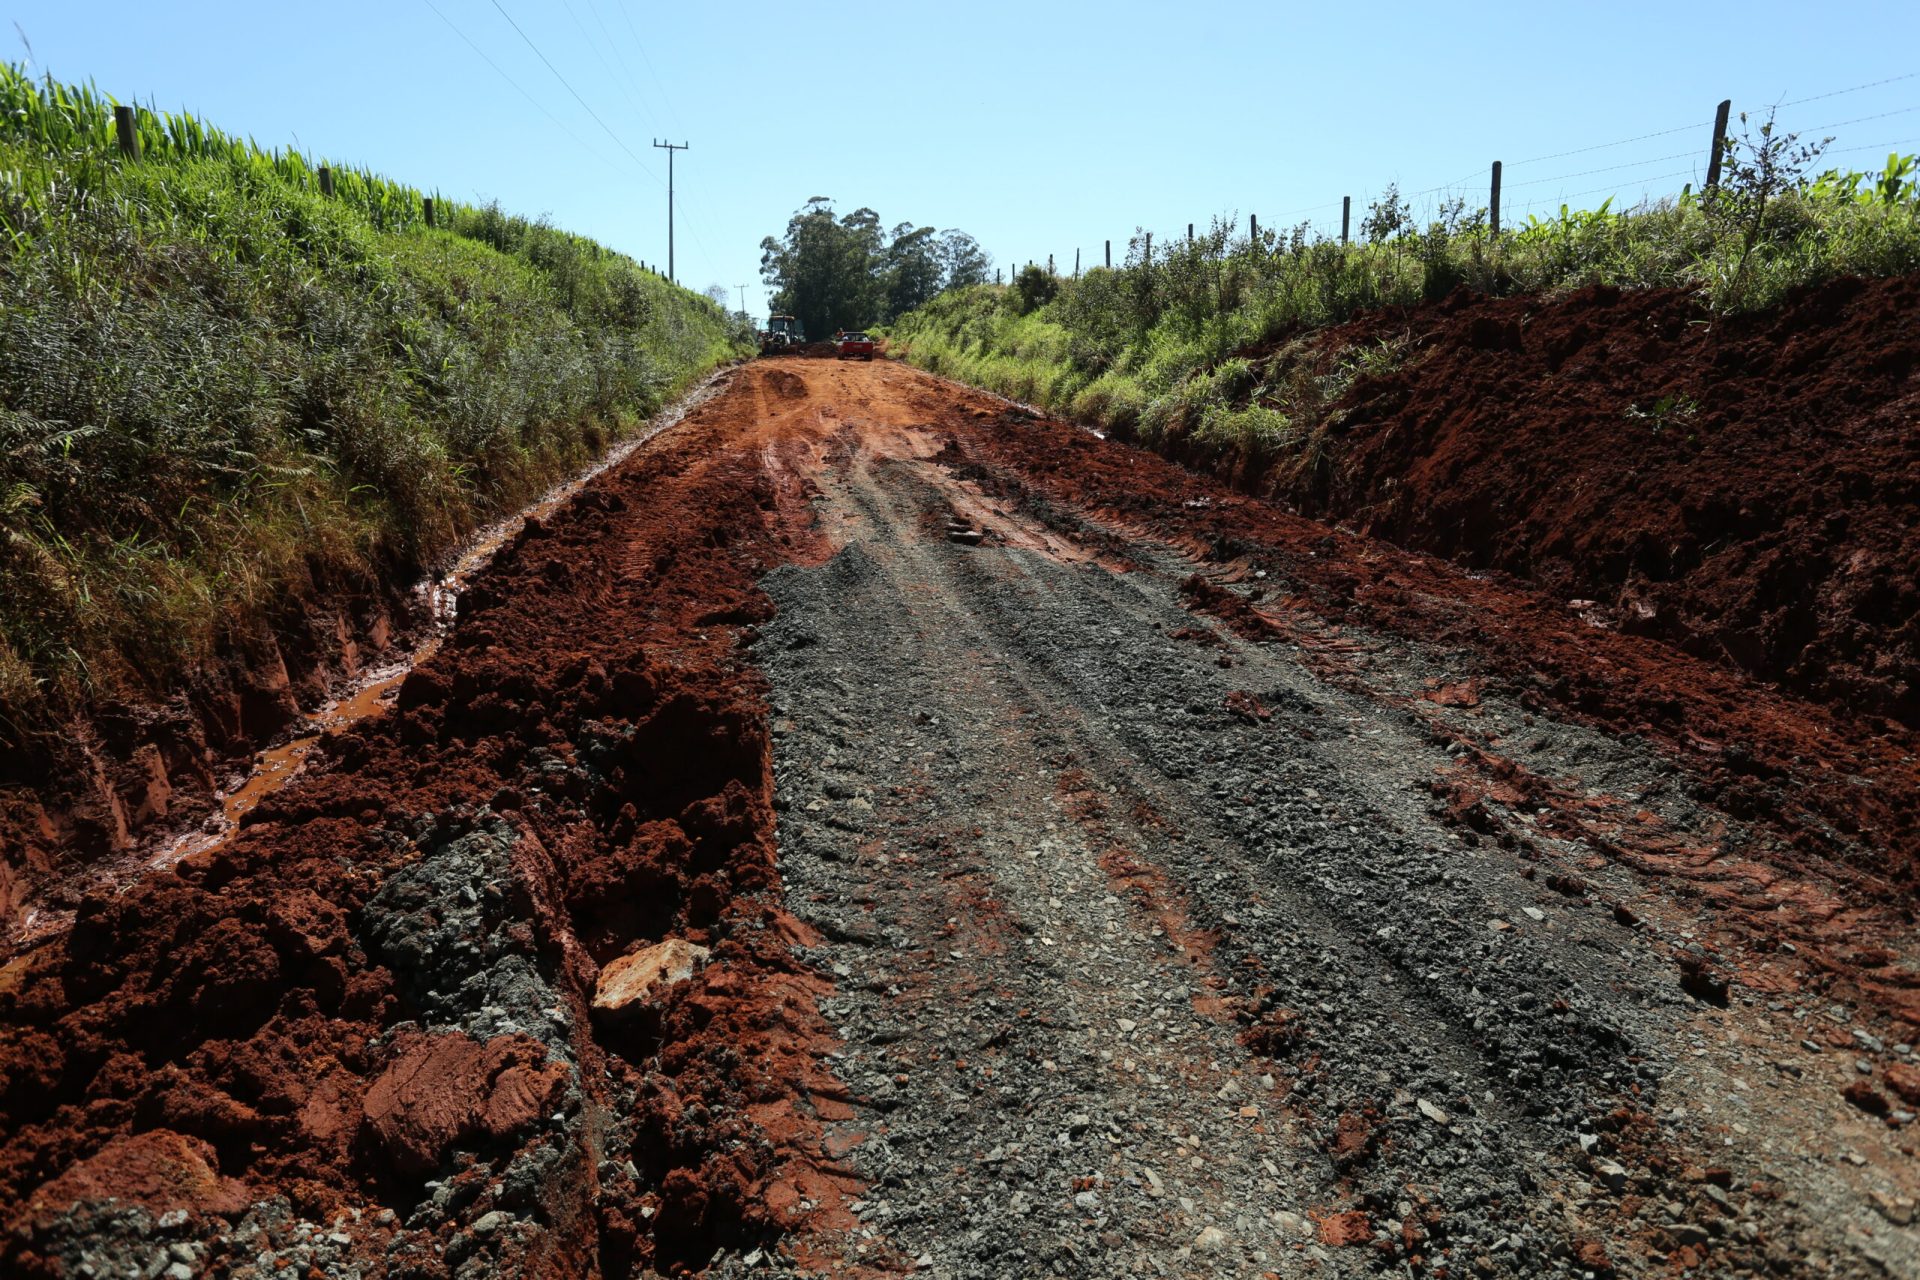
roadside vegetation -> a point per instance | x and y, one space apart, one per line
848 272
1209 340
221 391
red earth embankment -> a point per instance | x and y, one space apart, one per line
363 1032
1745 488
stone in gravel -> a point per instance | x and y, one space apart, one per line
489 1223
1210 1240
632 978
1433 1113
1895 1209
1904 1080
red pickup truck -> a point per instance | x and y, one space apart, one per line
852 345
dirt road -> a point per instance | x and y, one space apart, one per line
1086 871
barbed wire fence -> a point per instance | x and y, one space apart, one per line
1510 201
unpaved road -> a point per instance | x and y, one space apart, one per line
1090 891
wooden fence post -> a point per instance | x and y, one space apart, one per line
129 135
326 181
1346 216
1493 201
1719 143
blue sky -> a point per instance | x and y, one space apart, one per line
1040 128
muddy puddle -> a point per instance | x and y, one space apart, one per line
436 603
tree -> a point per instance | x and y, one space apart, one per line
962 261
1037 287
833 272
914 269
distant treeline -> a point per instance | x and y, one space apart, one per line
848 273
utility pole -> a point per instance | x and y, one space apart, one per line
743 300
670 148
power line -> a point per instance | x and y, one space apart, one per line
538 106
636 97
576 95
670 148
641 47
598 56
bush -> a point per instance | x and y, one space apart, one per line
1163 344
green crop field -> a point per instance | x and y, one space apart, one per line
220 389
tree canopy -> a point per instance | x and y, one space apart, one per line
835 271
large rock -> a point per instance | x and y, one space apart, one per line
634 979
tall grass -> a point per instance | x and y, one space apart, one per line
220 390
1153 347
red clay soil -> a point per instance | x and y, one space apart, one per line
119 768
1746 489
1828 794
233 1030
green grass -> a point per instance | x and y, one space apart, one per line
1155 348
220 390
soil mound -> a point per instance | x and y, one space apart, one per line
1746 488
368 1016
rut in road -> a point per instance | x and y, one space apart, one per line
1066 886
1096 873
1153 955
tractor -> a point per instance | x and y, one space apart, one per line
782 334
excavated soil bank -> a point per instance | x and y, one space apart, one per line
119 771
361 1033
1745 488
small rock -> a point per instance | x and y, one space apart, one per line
1895 1209
1534 913
1210 1240
1433 1113
632 978
489 1223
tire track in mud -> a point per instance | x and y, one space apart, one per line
1097 941
1062 737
